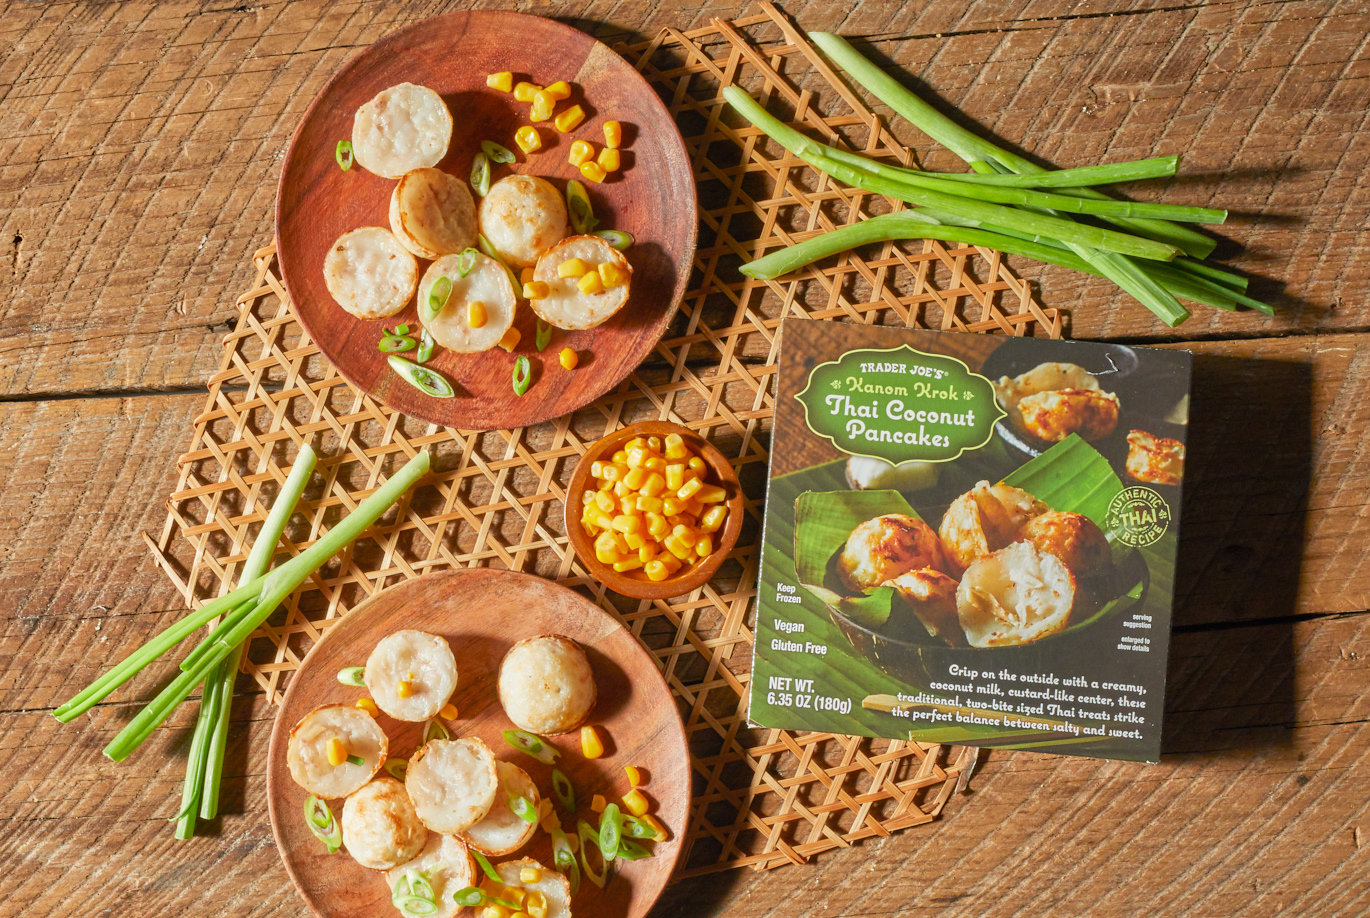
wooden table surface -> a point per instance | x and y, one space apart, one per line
139 147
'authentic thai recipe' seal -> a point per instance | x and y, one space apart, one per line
1138 516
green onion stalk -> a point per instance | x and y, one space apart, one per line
1000 205
244 610
204 768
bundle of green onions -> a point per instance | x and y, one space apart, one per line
214 662
1149 250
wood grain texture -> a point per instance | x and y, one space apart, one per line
652 198
139 146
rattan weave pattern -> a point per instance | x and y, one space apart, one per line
763 798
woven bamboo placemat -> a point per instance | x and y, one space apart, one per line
762 798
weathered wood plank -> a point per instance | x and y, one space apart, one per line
1257 805
139 148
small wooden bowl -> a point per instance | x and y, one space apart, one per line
690 578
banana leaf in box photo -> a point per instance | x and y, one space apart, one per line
881 626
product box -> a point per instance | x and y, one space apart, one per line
970 539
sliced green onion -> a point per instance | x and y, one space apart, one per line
414 884
355 760
578 207
401 329
532 744
480 175
343 154
436 729
564 859
471 896
630 850
523 808
497 153
438 295
564 790
397 768
415 905
636 826
589 841
426 345
619 239
421 378
488 249
319 818
486 867
544 336
523 375
394 344
610 832
466 262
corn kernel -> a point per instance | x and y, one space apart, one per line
690 488
569 119
661 834
590 743
609 159
536 904
635 443
654 484
604 501
580 152
648 503
628 523
635 540
672 563
337 752
656 464
572 267
405 689
711 494
636 802
524 91
675 447
560 90
530 875
647 553
657 525
620 543
620 455
593 172
502 81
543 106
678 548
637 457
448 711
494 911
684 535
613 134
476 316
654 443
569 358
536 290
627 564
635 777
675 477
704 546
590 283
528 139
713 518
514 894
369 706
510 339
610 274
615 471
696 463
598 803
656 571
635 477
672 506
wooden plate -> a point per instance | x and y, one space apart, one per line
482 613
652 197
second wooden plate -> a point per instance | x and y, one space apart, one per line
482 613
652 197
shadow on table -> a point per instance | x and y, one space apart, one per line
1247 478
696 896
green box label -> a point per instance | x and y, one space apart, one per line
900 404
